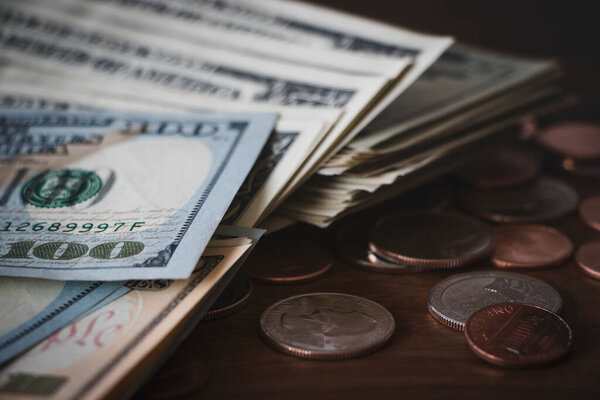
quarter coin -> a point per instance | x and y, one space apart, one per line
573 139
234 297
501 167
530 245
352 245
588 258
431 239
281 259
589 211
541 200
326 326
518 335
453 300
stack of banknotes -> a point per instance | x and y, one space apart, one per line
142 142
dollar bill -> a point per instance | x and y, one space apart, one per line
186 75
89 358
461 79
332 198
140 208
34 308
295 136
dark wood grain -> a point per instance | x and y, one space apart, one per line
426 360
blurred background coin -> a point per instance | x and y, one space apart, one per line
541 200
326 326
500 167
453 300
530 245
578 140
588 258
589 211
517 335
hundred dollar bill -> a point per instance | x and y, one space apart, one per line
332 198
91 357
217 27
296 134
141 208
34 308
133 66
461 78
298 27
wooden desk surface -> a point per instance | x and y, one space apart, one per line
426 360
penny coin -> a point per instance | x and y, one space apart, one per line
531 245
326 326
589 211
451 301
234 297
280 259
500 168
541 200
573 139
352 245
588 258
517 335
431 239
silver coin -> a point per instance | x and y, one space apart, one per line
326 326
452 300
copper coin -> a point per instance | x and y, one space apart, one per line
589 211
501 167
573 139
588 258
517 335
352 245
453 300
530 245
234 297
541 200
282 259
431 239
327 326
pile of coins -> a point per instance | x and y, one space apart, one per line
508 319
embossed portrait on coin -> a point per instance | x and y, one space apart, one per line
329 327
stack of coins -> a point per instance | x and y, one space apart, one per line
415 241
588 254
508 319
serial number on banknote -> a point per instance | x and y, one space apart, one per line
11 226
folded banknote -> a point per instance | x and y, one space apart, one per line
116 196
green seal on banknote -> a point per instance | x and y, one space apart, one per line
61 188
